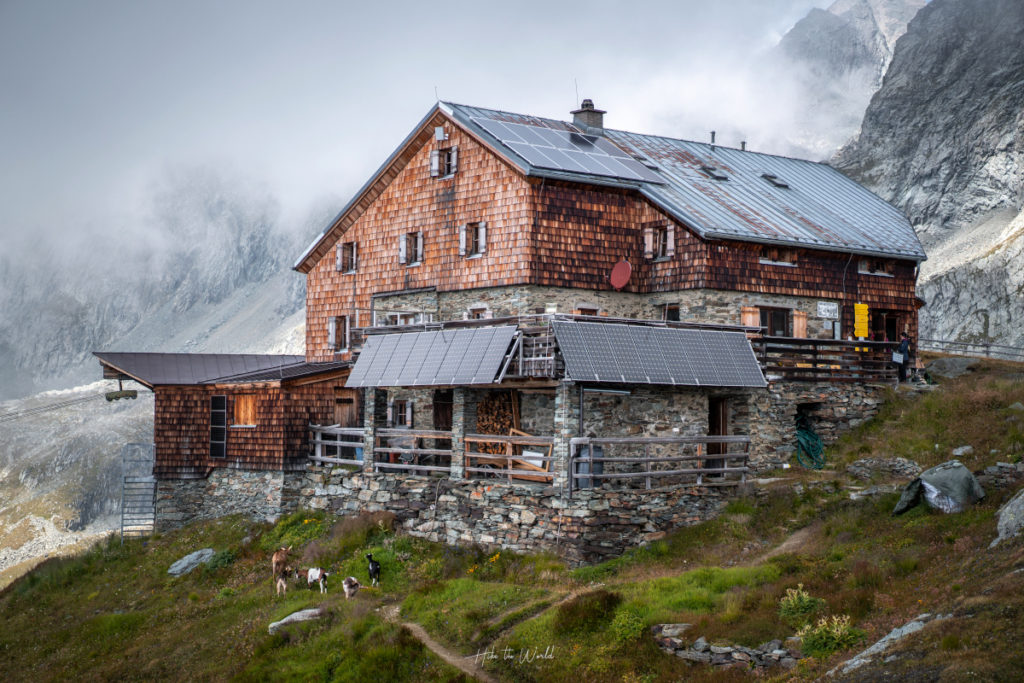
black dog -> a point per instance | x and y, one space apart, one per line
374 570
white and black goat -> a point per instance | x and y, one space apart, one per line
318 576
374 570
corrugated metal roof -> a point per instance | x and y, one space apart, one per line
153 369
290 371
821 208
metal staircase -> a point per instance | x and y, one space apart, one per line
138 490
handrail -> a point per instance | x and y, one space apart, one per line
320 445
701 463
510 464
397 456
826 360
984 349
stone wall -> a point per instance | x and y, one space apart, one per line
832 408
591 526
261 495
697 305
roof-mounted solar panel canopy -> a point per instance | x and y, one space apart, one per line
641 354
567 150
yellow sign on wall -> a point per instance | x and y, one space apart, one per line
860 320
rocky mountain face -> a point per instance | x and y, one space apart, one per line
208 268
942 140
838 57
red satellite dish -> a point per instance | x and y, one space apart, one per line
620 274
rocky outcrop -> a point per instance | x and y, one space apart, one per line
191 561
941 140
1011 519
838 56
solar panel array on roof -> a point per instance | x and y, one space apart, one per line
637 354
432 358
566 150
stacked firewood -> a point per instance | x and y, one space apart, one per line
496 414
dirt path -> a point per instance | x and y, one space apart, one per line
466 665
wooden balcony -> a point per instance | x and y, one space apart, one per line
825 360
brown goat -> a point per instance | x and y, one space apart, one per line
278 561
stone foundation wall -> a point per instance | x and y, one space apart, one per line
833 409
591 526
262 495
701 305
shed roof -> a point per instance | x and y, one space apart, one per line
153 369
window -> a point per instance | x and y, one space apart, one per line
672 312
400 413
402 318
345 258
410 248
479 313
778 256
444 162
586 310
245 411
775 321
472 239
659 242
338 333
876 266
714 173
218 426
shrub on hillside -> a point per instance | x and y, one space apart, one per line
829 635
587 612
797 606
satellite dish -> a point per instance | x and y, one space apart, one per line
620 274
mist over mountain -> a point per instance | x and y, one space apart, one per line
941 141
205 267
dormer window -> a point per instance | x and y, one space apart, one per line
714 173
778 256
346 257
659 242
472 239
876 266
444 162
775 180
410 248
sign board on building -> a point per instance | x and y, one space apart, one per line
828 309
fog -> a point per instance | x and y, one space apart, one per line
308 98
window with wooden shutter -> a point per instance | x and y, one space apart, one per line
337 257
245 411
401 248
454 160
332 332
649 242
435 163
338 333
483 237
670 241
462 239
400 413
473 241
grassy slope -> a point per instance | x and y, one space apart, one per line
113 612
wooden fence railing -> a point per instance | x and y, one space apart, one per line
332 443
984 349
403 450
521 458
826 360
699 460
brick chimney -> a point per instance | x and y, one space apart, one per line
588 118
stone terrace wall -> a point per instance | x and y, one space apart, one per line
833 409
591 526
261 495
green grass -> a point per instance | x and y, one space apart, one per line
114 613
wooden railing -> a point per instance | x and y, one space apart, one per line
402 450
698 460
826 360
331 442
522 458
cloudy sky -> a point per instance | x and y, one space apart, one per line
101 99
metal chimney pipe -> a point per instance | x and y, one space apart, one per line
743 145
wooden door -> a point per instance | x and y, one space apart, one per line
442 401
347 411
718 425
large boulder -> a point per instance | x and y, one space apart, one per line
191 561
952 366
949 487
1011 518
296 617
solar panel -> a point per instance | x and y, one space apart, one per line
392 374
577 360
496 350
565 150
453 343
418 360
634 354
427 374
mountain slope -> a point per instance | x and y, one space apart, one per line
941 140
